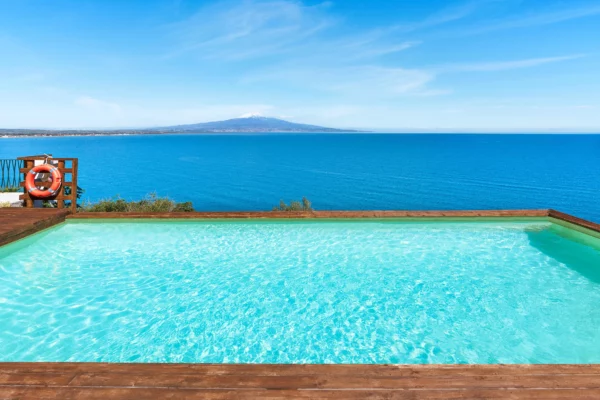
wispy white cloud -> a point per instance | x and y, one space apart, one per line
372 81
505 65
94 104
368 80
244 29
350 65
378 50
304 47
239 30
353 82
447 15
539 18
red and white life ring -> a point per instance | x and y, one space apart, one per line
33 190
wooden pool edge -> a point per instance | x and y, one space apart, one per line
367 214
18 223
317 214
276 381
579 222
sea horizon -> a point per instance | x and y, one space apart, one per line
382 132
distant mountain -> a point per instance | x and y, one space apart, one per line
253 123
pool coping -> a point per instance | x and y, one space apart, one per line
334 214
564 219
19 223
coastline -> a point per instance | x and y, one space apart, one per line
243 133
9 134
153 133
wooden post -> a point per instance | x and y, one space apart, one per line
28 200
74 163
60 203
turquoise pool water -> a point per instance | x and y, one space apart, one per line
301 292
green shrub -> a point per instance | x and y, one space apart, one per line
304 205
11 189
67 192
152 203
108 205
48 204
184 207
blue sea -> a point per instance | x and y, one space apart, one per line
349 172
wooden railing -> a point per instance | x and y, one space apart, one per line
67 168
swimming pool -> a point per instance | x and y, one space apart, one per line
302 291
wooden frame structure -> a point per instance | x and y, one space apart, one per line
64 168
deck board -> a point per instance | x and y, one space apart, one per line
318 214
17 223
221 381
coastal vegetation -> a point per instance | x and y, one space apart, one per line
151 203
11 189
304 205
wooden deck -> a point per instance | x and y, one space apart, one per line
222 381
17 223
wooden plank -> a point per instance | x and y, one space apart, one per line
326 381
323 214
63 169
218 394
57 197
43 157
22 184
574 220
140 381
44 379
306 369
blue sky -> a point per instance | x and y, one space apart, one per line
482 65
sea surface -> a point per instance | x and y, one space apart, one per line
350 171
368 291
